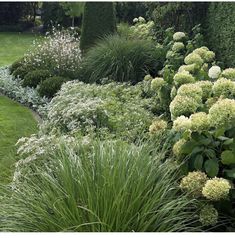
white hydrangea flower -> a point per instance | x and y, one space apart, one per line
199 121
178 46
193 58
214 72
182 123
135 20
229 73
141 20
222 113
216 189
194 182
179 36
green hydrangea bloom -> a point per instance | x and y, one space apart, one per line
201 51
206 87
194 182
169 54
209 57
157 83
182 123
210 102
229 73
224 87
179 36
199 121
147 77
191 68
208 215
183 105
222 113
191 90
157 126
177 148
193 58
216 189
183 78
178 46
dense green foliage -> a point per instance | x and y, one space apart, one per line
183 16
16 121
35 77
220 31
100 186
53 14
98 21
121 60
127 11
50 86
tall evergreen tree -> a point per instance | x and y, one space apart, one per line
98 20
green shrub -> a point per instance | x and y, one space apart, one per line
220 31
121 60
98 21
16 65
32 79
110 110
50 86
21 71
99 187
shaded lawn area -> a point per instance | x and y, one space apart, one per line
16 121
13 45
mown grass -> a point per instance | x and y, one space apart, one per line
16 121
14 45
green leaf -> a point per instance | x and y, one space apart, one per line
210 153
219 132
211 167
198 162
228 157
228 142
188 147
230 173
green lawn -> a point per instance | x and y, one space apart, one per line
15 121
13 45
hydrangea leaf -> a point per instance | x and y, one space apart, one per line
211 167
198 162
228 157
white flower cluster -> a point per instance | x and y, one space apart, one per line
214 72
142 29
58 52
179 36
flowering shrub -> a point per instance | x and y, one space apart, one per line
101 109
142 29
59 53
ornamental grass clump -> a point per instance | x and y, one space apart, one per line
121 60
106 186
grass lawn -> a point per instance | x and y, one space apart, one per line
15 121
14 45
